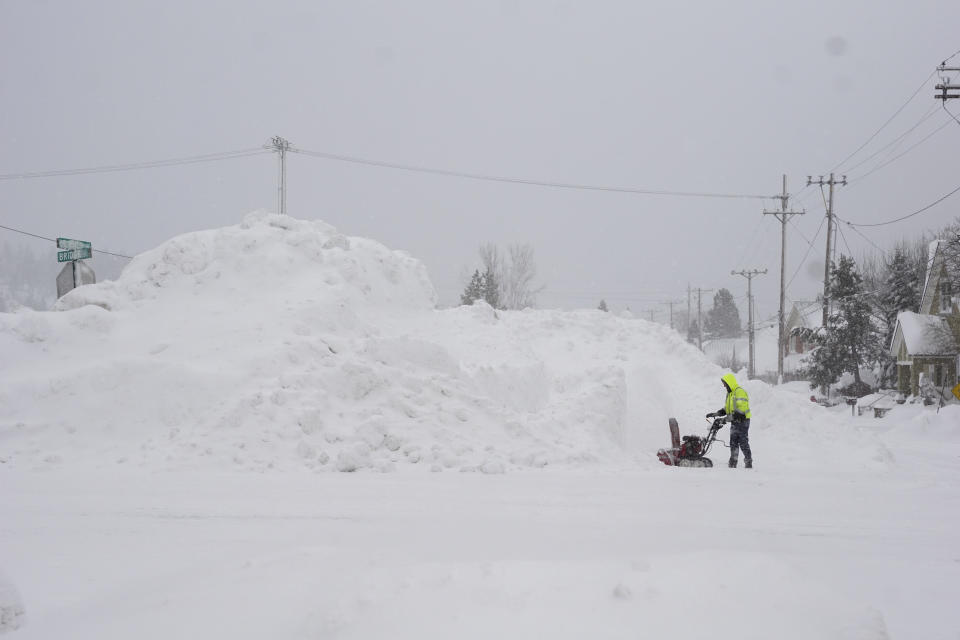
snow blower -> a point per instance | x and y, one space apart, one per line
690 451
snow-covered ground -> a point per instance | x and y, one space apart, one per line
171 449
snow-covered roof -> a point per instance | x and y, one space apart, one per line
808 315
925 335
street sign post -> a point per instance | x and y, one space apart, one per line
956 391
77 272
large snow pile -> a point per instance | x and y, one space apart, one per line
12 614
280 343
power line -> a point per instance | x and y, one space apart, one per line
750 246
860 233
33 235
844 238
796 228
889 120
896 140
910 215
132 166
526 181
950 112
807 254
899 155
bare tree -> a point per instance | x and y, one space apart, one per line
518 286
515 274
950 246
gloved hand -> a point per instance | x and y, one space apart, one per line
711 415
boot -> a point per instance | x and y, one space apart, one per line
748 464
733 463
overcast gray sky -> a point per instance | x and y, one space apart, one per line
698 96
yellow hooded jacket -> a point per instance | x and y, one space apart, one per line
737 399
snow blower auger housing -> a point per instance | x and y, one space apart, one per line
689 451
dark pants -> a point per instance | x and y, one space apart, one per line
740 439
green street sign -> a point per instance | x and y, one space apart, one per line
73 254
67 243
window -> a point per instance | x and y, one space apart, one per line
946 296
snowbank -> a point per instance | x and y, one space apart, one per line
12 614
936 426
280 343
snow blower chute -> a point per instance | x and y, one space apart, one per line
690 451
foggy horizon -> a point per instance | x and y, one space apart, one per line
653 97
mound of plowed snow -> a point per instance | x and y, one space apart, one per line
280 343
12 614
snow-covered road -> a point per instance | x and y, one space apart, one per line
653 552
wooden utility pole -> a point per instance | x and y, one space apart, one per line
826 267
751 364
671 303
783 216
700 317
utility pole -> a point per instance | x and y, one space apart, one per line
671 303
281 146
751 365
947 90
826 267
688 311
783 215
700 317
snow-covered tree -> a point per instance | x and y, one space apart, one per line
490 289
723 320
903 284
474 289
850 339
950 247
603 306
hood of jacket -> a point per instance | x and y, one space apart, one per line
730 381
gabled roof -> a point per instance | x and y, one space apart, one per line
924 335
808 315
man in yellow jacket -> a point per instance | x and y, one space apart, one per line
736 410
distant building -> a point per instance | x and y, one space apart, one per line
803 315
928 343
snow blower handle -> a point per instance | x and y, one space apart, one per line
717 423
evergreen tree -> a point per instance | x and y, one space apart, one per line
490 289
693 332
850 338
902 291
474 290
723 320
603 306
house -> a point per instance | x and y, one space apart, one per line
926 343
803 315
